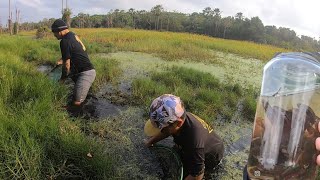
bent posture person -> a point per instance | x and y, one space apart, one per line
75 61
200 148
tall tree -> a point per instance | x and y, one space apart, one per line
10 19
239 16
66 16
208 24
157 11
256 30
271 35
226 23
238 27
133 14
109 19
195 23
178 21
216 19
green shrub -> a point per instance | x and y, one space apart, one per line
107 70
42 32
249 107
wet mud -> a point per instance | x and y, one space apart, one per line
97 106
45 68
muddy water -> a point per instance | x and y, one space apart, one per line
53 72
144 162
45 68
121 125
97 106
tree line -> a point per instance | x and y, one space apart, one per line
208 22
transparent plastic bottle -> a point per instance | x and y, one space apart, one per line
285 126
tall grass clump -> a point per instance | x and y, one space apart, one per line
37 141
96 47
33 50
202 93
107 71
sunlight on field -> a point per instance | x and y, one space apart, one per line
172 46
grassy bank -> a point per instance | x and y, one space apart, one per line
202 93
45 143
169 45
38 141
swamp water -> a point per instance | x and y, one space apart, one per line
143 163
96 106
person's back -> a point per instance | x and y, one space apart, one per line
72 48
75 62
200 145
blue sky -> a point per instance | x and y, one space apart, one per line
300 16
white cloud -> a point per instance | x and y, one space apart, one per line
31 3
298 15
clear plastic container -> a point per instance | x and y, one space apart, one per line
285 126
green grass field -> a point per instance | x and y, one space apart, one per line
214 77
38 140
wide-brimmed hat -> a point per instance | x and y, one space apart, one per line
164 110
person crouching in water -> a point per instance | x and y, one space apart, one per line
200 148
75 61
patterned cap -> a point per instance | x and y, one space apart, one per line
165 110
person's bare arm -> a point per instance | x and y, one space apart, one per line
65 70
189 177
59 62
67 66
154 139
317 143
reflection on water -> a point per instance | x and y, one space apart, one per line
53 72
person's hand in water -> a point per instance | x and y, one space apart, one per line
318 146
59 62
147 143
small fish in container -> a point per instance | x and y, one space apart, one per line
286 120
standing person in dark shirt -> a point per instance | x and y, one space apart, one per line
200 147
75 61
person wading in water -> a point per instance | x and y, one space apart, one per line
75 62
